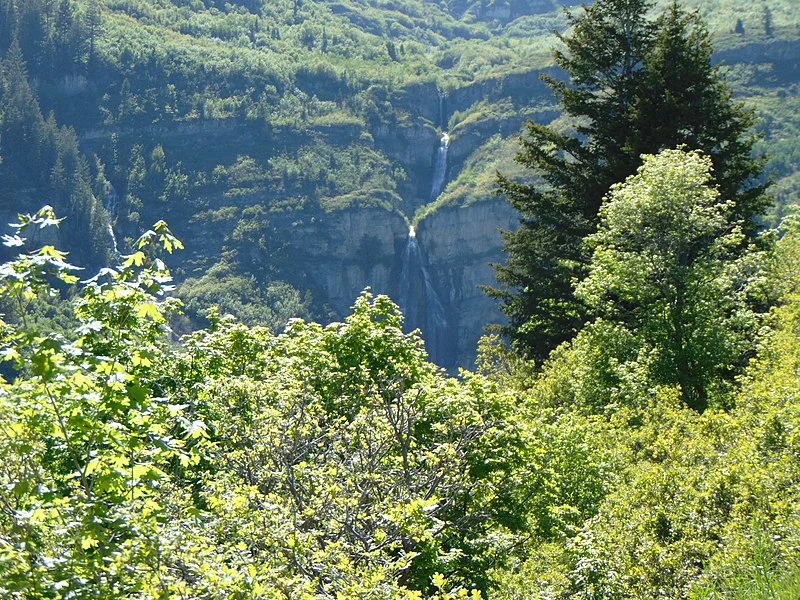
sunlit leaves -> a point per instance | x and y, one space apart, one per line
668 267
82 429
329 461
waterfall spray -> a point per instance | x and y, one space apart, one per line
420 302
440 169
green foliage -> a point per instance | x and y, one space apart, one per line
336 462
627 90
699 506
325 462
37 158
689 505
663 267
308 92
351 458
90 446
270 304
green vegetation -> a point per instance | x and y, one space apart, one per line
152 448
637 84
336 462
325 461
665 276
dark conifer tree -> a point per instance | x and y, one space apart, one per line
766 20
686 102
94 21
8 23
635 84
64 37
22 124
40 160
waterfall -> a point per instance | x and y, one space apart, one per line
420 303
110 204
440 170
113 237
422 307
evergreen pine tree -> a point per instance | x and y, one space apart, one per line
766 19
22 124
94 21
636 85
686 102
65 36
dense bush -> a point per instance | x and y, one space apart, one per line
337 462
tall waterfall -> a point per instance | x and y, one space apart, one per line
440 169
420 303
418 299
110 204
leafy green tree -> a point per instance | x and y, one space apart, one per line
636 85
377 468
88 443
663 267
695 505
330 462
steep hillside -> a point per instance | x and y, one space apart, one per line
292 144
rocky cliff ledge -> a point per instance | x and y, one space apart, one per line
349 250
460 244
346 251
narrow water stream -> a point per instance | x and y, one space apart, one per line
440 168
420 303
110 204
418 299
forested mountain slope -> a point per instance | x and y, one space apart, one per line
292 143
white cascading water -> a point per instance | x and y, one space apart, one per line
419 301
440 169
113 237
110 204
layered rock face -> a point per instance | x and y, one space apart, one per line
460 245
347 251
451 258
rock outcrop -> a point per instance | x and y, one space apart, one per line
349 250
460 245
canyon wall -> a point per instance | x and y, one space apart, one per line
353 249
460 245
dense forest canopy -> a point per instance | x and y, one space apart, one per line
175 424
